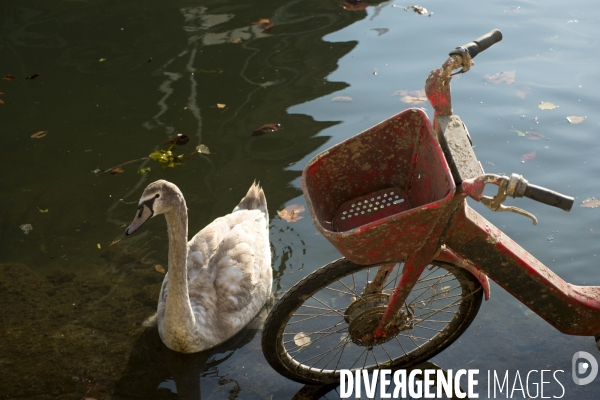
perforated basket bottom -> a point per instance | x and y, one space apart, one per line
368 208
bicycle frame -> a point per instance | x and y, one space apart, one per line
447 229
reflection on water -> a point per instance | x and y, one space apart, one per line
73 303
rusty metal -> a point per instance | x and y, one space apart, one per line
430 170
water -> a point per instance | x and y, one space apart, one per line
73 303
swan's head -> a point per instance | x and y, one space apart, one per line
158 198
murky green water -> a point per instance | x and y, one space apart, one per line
117 79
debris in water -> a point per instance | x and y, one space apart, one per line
504 76
355 5
576 120
546 105
266 128
26 228
291 213
39 135
592 202
528 156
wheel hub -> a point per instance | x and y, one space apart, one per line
363 316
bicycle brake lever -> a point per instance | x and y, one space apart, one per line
474 189
488 201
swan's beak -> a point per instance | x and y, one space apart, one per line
144 213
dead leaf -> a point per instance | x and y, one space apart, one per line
114 242
179 139
523 92
301 339
546 105
355 5
343 99
534 135
237 41
8 78
1 102
415 100
32 76
291 213
592 202
528 156
265 24
159 268
203 149
576 120
219 105
39 135
504 76
518 132
117 170
266 128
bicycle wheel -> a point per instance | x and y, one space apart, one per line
315 336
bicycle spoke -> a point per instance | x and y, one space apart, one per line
337 290
315 316
326 305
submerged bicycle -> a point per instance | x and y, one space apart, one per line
417 258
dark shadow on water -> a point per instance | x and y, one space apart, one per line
152 365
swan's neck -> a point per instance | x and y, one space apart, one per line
179 318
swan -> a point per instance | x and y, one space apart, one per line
219 280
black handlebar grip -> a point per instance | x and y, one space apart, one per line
549 197
482 43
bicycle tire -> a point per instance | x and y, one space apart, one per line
319 281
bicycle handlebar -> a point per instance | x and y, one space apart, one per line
549 197
480 44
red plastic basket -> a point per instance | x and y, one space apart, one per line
377 195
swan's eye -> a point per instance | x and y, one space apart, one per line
157 195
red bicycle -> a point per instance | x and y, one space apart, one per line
417 258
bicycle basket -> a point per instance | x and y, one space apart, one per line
377 195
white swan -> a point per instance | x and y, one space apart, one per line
219 280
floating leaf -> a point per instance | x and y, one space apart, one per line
528 156
518 132
117 170
102 60
219 105
265 24
160 268
39 135
534 135
26 228
178 139
354 5
342 99
301 339
142 171
415 100
114 242
1 101
237 41
576 120
523 92
32 76
266 128
592 202
42 211
505 76
546 105
202 149
166 158
8 77
291 213
98 245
